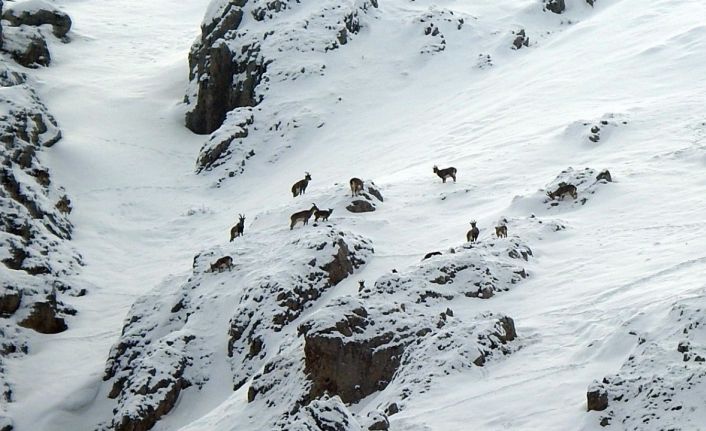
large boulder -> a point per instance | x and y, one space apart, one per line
43 318
27 46
36 13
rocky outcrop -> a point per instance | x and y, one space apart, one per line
274 304
521 39
479 271
36 257
556 6
356 351
24 39
238 60
376 342
367 199
43 318
232 57
27 46
37 13
557 195
162 350
659 381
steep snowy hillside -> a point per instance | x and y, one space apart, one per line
577 125
38 261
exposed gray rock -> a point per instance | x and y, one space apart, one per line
556 6
521 39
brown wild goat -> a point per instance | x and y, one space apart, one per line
322 214
445 173
356 186
501 231
472 234
302 216
563 190
238 229
299 188
226 262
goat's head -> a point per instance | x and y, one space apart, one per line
307 176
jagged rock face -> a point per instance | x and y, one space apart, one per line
384 340
355 352
231 59
274 304
34 246
238 59
162 351
37 13
663 378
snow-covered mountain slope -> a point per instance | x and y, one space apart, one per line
342 324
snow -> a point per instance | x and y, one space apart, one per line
626 257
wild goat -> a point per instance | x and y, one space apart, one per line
299 188
302 216
322 214
226 262
501 231
563 190
472 234
445 173
356 186
238 229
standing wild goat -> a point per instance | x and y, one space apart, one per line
238 229
563 190
299 188
472 234
322 214
445 173
356 186
501 231
302 216
226 262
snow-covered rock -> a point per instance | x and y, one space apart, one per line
174 336
37 13
36 255
662 384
